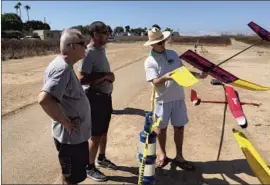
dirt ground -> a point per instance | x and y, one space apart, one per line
22 80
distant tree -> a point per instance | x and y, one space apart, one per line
27 8
19 4
12 34
16 8
168 29
146 32
157 26
139 31
83 29
46 26
86 29
11 21
119 29
110 30
127 28
35 25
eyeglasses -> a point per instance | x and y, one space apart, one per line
106 32
79 43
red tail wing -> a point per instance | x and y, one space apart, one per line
193 96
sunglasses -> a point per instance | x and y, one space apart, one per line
106 32
161 43
79 43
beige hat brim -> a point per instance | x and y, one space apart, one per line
166 35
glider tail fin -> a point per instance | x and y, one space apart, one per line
194 97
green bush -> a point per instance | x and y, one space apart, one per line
12 34
11 21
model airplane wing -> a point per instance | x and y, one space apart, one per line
235 106
261 32
222 75
255 161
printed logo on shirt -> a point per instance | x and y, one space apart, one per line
170 61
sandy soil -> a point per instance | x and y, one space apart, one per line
203 133
22 80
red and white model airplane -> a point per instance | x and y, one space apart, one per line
232 99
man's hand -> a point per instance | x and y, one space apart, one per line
94 78
203 75
162 79
69 125
110 77
51 107
167 76
199 75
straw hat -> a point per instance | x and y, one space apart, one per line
155 36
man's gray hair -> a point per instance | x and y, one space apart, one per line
68 36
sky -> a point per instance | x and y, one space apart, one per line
187 17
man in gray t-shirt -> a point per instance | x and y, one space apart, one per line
64 100
97 80
96 62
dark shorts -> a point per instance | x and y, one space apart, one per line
73 160
101 111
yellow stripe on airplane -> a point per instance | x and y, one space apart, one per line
255 161
249 85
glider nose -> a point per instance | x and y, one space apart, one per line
194 98
242 121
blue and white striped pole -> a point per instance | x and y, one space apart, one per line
147 146
149 169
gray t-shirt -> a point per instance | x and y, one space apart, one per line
95 60
61 82
157 65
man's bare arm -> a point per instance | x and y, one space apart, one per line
51 107
93 78
161 80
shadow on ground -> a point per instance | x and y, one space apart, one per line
129 111
175 176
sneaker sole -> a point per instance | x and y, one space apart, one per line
103 166
95 179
